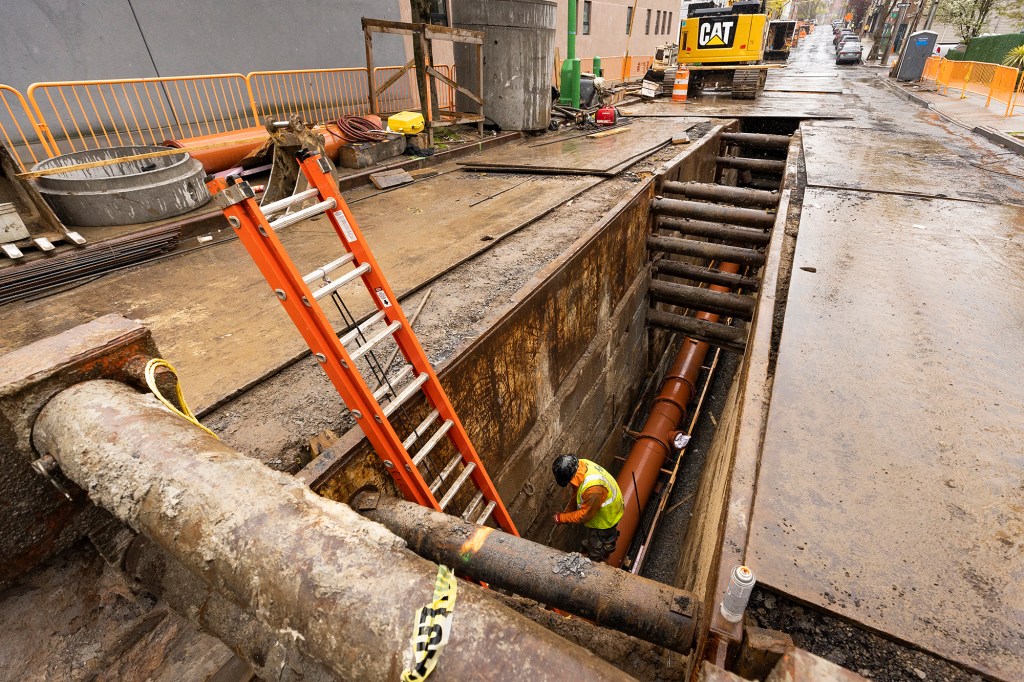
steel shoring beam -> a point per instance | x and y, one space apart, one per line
748 217
708 275
714 333
347 589
699 298
743 163
637 606
758 140
726 194
726 233
705 250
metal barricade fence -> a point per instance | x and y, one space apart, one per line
979 78
1001 87
318 95
931 69
80 115
19 130
401 95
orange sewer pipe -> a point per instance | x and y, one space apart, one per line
654 443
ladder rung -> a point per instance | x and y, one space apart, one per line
406 393
443 476
323 270
341 281
375 339
277 206
432 443
420 430
450 495
370 321
300 215
487 513
388 385
477 499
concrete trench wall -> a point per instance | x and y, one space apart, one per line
558 370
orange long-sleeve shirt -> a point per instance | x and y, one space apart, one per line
593 498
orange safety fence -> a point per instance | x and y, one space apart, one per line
404 93
80 115
619 69
317 95
992 81
1002 86
1018 99
19 131
931 69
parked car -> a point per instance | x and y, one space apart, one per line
850 52
841 34
941 49
844 40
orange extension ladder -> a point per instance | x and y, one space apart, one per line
300 301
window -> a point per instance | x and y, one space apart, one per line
647 29
657 23
586 17
668 24
629 20
439 12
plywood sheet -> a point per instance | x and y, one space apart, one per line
890 486
938 165
582 154
213 315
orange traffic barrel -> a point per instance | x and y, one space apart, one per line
681 85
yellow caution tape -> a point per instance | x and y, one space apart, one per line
184 412
431 628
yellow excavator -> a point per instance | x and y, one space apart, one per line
723 47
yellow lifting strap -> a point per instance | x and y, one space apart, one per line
185 413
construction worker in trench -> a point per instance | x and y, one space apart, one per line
597 503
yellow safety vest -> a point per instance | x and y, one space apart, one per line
612 508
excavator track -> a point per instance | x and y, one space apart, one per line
747 83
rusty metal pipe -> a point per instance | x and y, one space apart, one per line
344 588
702 298
757 140
749 217
743 163
271 654
736 196
611 598
697 273
714 333
706 250
647 456
726 233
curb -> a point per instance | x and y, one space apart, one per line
1001 139
909 96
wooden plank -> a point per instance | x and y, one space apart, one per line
391 81
448 81
389 179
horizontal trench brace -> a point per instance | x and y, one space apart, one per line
697 273
714 333
699 298
747 217
705 250
744 163
726 194
725 233
757 140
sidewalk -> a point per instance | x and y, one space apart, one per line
970 110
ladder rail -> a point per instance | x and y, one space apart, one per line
349 233
257 234
295 296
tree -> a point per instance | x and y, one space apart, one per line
969 17
775 8
886 8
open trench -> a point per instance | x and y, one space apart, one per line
639 347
